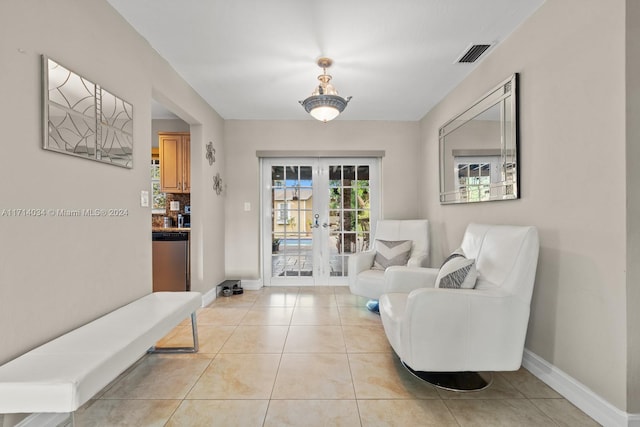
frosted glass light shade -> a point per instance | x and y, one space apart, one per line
325 113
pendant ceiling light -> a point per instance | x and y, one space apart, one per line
325 104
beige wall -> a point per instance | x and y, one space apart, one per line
633 204
400 171
570 55
57 273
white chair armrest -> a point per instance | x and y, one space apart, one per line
358 263
406 279
472 339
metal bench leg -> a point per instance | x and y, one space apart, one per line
44 419
194 349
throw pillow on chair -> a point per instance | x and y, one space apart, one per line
391 252
457 272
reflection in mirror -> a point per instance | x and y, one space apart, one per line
83 119
478 149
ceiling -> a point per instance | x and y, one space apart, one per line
255 59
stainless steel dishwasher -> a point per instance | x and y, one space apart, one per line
170 261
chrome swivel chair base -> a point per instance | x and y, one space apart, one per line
455 381
373 306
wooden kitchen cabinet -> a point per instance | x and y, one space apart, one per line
175 162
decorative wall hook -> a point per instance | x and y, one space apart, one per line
217 183
211 153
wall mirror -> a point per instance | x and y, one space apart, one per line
83 119
479 149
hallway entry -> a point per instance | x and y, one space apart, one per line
315 213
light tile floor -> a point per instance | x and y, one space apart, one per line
305 357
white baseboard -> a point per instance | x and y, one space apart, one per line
578 394
252 285
209 297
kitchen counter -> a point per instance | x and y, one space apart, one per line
170 229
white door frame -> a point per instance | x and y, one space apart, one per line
320 248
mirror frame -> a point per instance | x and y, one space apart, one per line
91 122
505 96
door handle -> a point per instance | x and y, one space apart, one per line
316 224
325 225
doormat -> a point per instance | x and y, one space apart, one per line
296 273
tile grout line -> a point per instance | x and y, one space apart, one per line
353 383
275 379
217 353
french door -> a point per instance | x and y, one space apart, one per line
315 213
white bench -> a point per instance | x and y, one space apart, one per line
63 374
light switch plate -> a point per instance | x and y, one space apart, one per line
247 206
144 199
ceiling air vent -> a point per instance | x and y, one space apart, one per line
472 53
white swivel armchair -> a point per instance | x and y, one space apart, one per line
440 330
366 281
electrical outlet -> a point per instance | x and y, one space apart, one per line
144 199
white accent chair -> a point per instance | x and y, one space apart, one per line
461 330
367 282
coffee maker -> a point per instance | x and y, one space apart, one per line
186 218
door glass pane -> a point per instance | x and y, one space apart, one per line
349 213
292 203
349 175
